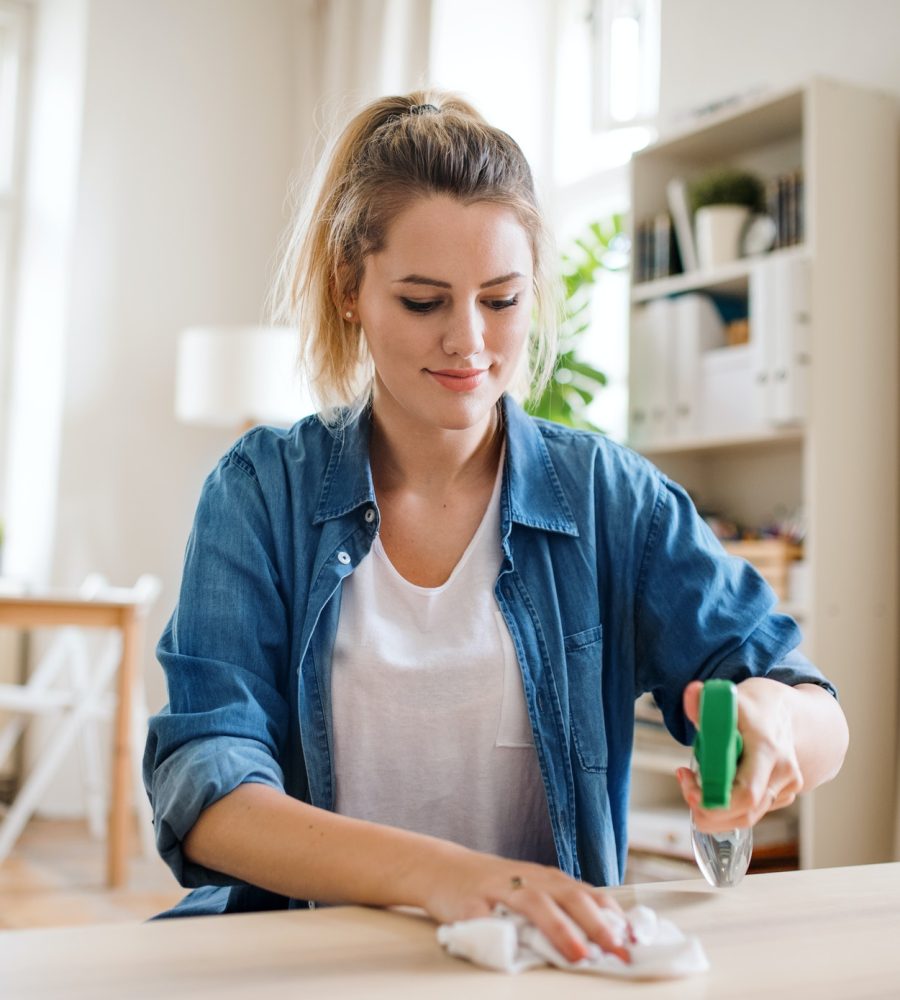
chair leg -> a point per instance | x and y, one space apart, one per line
42 677
92 771
52 755
36 784
139 725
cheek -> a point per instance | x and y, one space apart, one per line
389 334
515 331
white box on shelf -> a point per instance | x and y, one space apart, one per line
663 830
729 402
698 328
667 830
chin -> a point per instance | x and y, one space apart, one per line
463 412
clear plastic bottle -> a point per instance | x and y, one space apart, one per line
722 857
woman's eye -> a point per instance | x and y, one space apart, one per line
499 304
418 306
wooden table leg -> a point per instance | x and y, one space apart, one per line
120 797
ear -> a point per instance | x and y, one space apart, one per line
344 299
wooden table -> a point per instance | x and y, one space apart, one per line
833 933
28 612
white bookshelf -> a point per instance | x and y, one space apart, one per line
834 452
728 279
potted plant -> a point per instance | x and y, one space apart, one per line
723 201
602 247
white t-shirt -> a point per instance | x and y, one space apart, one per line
431 731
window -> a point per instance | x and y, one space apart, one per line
607 84
626 62
12 49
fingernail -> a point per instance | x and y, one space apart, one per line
577 953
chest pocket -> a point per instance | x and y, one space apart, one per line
584 666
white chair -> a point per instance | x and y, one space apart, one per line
74 680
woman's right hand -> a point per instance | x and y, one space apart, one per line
569 913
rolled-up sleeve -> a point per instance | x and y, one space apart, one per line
700 613
224 653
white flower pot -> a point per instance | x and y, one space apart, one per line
719 229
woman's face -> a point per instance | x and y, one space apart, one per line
445 307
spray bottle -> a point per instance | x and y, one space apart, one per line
722 857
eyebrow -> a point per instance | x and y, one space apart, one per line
418 279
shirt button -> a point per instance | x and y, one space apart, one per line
370 515
344 558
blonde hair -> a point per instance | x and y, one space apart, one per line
395 150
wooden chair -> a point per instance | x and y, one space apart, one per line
82 683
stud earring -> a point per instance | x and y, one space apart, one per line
348 314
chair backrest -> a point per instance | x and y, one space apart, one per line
144 592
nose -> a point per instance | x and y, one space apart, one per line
464 335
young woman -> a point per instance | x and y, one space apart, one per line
410 633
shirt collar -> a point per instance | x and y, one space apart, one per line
348 477
531 495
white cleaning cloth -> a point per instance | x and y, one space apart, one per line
508 942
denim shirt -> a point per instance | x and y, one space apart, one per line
610 584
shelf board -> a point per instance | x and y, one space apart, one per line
661 761
760 119
710 445
728 279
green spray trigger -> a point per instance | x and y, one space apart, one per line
718 743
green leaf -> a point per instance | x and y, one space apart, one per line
597 249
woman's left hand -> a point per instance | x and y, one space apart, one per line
768 776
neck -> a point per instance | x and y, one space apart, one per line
407 455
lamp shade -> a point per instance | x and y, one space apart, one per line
234 376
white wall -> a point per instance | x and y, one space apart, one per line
187 146
712 49
496 53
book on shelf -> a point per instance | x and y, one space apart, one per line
656 251
784 203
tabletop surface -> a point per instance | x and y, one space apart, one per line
827 933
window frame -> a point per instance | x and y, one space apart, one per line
15 39
602 15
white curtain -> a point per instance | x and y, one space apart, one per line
352 51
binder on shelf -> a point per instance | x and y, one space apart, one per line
781 335
676 193
649 409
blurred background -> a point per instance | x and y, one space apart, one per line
150 155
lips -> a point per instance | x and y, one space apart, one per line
459 379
